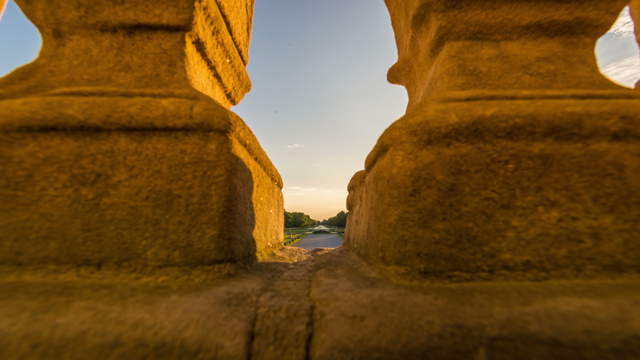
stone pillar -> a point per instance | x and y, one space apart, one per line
3 4
634 7
110 155
515 158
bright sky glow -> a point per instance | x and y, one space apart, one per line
618 54
320 98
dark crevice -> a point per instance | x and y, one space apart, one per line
202 51
284 313
102 129
252 330
311 316
227 23
310 328
136 28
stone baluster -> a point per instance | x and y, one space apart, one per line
3 4
117 145
516 156
634 7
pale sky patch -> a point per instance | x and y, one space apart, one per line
625 72
319 202
304 191
624 25
295 146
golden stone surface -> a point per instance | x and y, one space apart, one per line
498 219
111 156
3 4
516 158
634 7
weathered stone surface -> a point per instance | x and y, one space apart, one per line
360 314
137 46
110 315
516 158
129 201
332 306
218 49
634 7
3 4
497 48
162 196
109 154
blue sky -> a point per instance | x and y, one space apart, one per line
320 98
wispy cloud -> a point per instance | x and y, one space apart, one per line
618 55
625 72
295 146
309 191
623 27
319 202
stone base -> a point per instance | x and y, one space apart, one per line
468 190
132 180
332 307
361 315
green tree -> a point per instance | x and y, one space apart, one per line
340 220
298 219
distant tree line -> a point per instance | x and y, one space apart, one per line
298 219
339 220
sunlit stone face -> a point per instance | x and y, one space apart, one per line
3 4
634 6
635 14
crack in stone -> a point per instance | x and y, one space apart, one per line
227 23
310 329
283 326
252 331
202 52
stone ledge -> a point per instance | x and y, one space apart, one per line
360 314
356 314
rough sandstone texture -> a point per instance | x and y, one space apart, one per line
331 306
516 158
129 202
164 47
634 7
109 154
3 4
